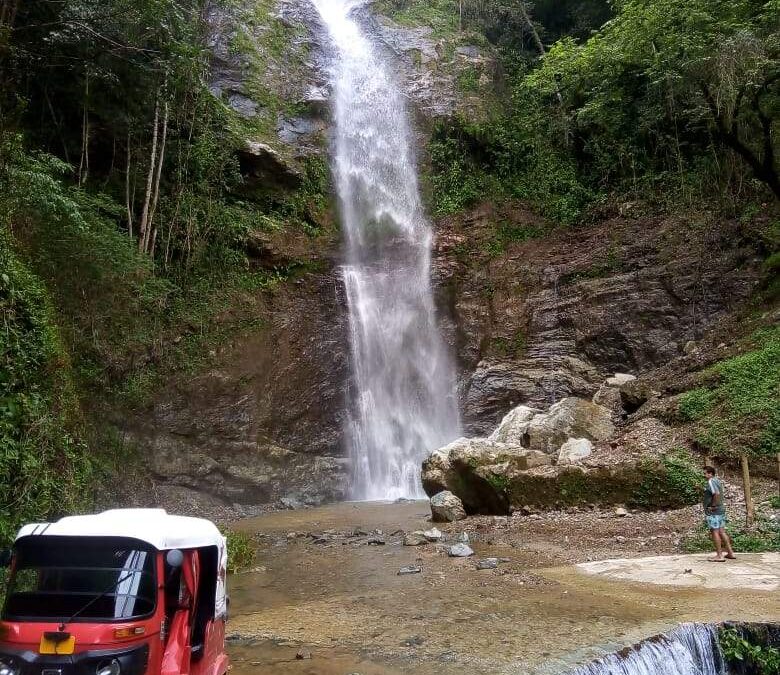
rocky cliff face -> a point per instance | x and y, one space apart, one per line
263 424
541 314
535 315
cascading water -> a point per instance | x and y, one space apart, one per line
689 649
403 403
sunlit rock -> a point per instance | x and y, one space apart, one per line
446 507
574 450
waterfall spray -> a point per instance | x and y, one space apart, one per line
403 403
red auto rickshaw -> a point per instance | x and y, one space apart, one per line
123 592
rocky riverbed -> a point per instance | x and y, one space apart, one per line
328 595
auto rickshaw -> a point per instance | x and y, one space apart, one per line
123 592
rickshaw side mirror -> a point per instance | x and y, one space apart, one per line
175 558
5 557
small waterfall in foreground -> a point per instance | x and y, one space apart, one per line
404 402
689 649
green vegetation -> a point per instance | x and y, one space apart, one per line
241 551
498 482
513 347
763 536
513 233
695 404
44 464
124 220
741 647
669 101
740 413
677 482
439 15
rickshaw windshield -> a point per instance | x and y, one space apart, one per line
100 579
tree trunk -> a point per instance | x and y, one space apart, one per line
142 226
151 238
128 197
728 134
540 47
84 161
749 508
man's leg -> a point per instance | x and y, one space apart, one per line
715 534
726 542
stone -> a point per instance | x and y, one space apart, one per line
463 538
574 450
609 397
690 347
292 130
621 512
376 541
446 507
432 535
487 564
415 539
619 379
460 551
514 426
570 418
475 470
634 394
303 654
291 503
410 569
263 166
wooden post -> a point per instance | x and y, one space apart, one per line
749 508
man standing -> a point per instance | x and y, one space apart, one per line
715 513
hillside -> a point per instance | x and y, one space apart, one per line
602 180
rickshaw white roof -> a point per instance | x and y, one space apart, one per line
154 526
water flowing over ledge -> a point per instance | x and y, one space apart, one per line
689 649
403 402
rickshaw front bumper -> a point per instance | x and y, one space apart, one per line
133 661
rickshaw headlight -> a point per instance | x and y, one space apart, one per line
8 668
105 668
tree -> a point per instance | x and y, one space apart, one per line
665 82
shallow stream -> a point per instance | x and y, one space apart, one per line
343 601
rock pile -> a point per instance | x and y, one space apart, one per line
548 459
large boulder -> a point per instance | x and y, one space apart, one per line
570 418
446 507
514 425
476 470
558 458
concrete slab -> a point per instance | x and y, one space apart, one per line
754 571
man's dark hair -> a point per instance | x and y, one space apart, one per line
710 470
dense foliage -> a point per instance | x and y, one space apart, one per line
671 98
749 652
124 217
44 464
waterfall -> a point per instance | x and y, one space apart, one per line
403 402
689 649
